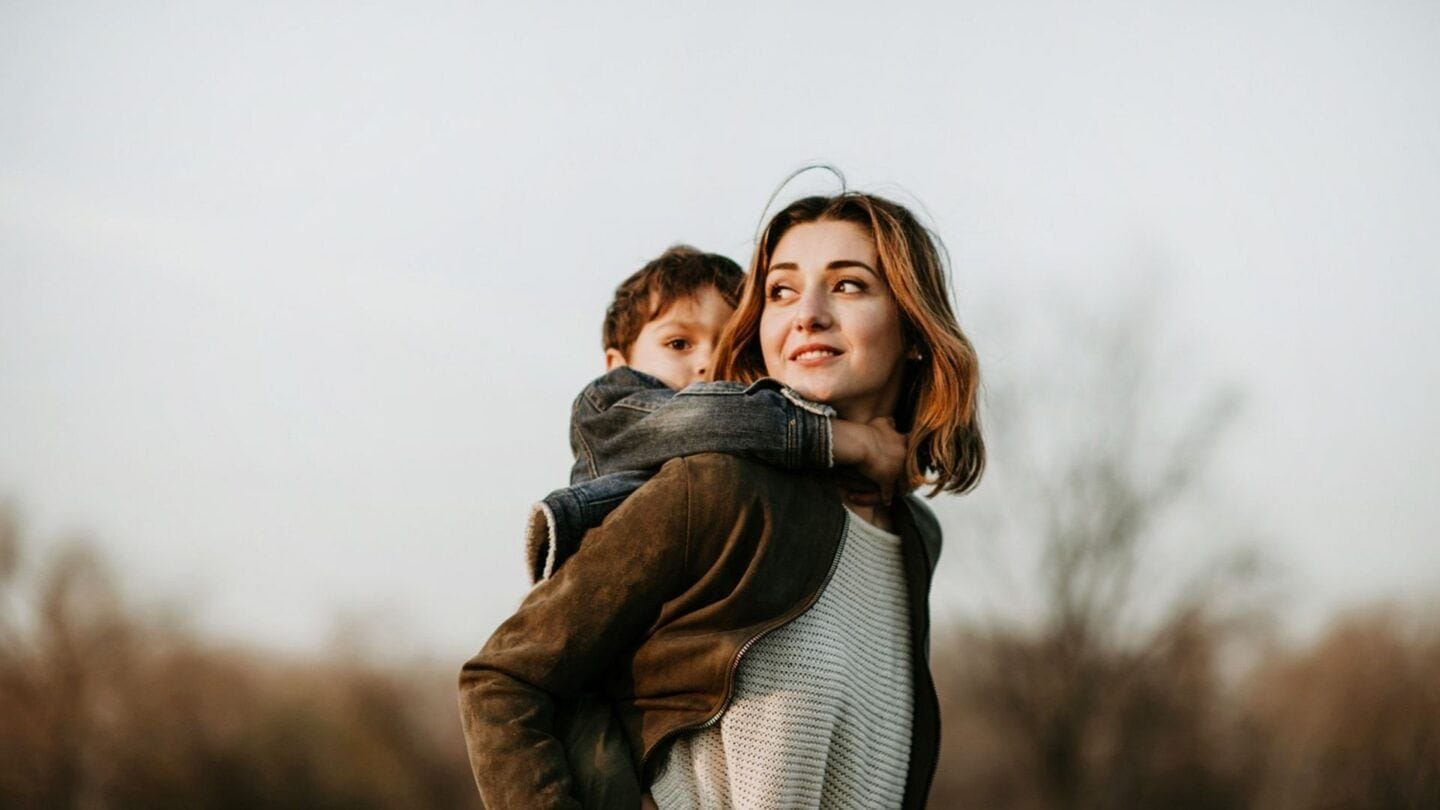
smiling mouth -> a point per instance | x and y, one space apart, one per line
815 353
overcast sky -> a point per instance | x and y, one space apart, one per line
294 297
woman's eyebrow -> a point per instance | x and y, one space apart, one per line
838 264
841 264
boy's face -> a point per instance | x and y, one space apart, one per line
675 346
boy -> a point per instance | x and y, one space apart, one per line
653 404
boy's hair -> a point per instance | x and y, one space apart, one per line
679 272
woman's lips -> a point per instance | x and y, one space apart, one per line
814 354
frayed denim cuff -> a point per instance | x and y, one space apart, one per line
557 524
814 431
550 533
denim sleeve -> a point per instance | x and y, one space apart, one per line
556 523
626 424
630 421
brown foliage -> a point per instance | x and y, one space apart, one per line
103 709
1041 722
1032 722
1353 721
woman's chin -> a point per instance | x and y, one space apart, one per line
811 390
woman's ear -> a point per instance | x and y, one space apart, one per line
914 353
614 359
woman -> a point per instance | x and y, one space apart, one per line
760 643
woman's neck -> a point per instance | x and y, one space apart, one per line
864 409
877 516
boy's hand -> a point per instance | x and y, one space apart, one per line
877 451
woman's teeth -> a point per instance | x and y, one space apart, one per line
814 354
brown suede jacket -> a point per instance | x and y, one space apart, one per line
637 638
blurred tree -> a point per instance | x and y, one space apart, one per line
1353 721
102 708
1093 683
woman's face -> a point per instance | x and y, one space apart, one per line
830 328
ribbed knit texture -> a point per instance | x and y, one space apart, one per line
821 714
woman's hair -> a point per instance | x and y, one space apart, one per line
938 402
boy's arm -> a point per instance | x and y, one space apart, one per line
627 423
557 522
877 451
630 421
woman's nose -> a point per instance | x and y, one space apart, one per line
813 313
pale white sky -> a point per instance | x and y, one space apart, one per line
293 300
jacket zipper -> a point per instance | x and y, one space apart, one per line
740 653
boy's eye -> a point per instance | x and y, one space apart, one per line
678 344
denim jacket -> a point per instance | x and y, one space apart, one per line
626 424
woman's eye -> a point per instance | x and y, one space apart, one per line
850 285
678 344
779 292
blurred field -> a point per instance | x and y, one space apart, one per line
104 707
1352 721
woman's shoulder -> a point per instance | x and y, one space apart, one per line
924 516
719 467
739 506
710 479
926 525
721 476
720 490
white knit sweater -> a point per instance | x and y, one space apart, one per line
821 713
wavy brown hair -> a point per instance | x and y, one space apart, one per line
938 403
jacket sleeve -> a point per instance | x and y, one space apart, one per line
630 421
565 637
